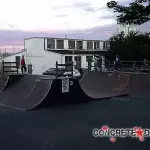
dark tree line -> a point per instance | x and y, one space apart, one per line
136 45
133 47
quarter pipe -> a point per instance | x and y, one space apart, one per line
13 94
139 85
105 85
32 91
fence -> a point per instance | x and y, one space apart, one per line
107 65
9 67
129 65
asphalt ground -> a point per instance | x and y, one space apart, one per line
70 127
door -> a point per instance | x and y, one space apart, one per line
18 59
30 68
78 62
68 60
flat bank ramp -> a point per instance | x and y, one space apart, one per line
3 82
139 85
104 84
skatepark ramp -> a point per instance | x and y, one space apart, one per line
139 85
16 91
105 85
3 82
35 91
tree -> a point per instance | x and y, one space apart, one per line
133 47
138 12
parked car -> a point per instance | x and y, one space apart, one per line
76 73
62 72
52 72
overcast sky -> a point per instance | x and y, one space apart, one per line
88 19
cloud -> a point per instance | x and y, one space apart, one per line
90 9
62 15
81 4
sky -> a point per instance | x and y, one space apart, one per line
88 19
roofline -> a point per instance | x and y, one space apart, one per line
13 54
77 52
63 39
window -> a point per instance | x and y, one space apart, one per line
96 45
51 43
77 58
89 44
89 58
68 58
107 45
18 60
71 44
79 45
104 45
60 44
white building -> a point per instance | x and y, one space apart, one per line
126 29
43 52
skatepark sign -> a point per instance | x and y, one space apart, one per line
113 133
65 85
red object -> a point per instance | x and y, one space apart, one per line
22 62
139 132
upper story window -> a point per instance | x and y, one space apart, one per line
51 43
105 45
89 44
60 44
89 58
71 44
79 45
96 45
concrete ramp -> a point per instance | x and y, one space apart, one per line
139 85
105 85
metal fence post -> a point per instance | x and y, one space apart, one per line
72 69
3 66
17 65
56 69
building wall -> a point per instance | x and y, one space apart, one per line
45 61
41 59
84 44
65 44
125 28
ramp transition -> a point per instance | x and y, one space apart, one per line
3 82
139 85
105 85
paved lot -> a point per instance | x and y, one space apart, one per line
70 127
